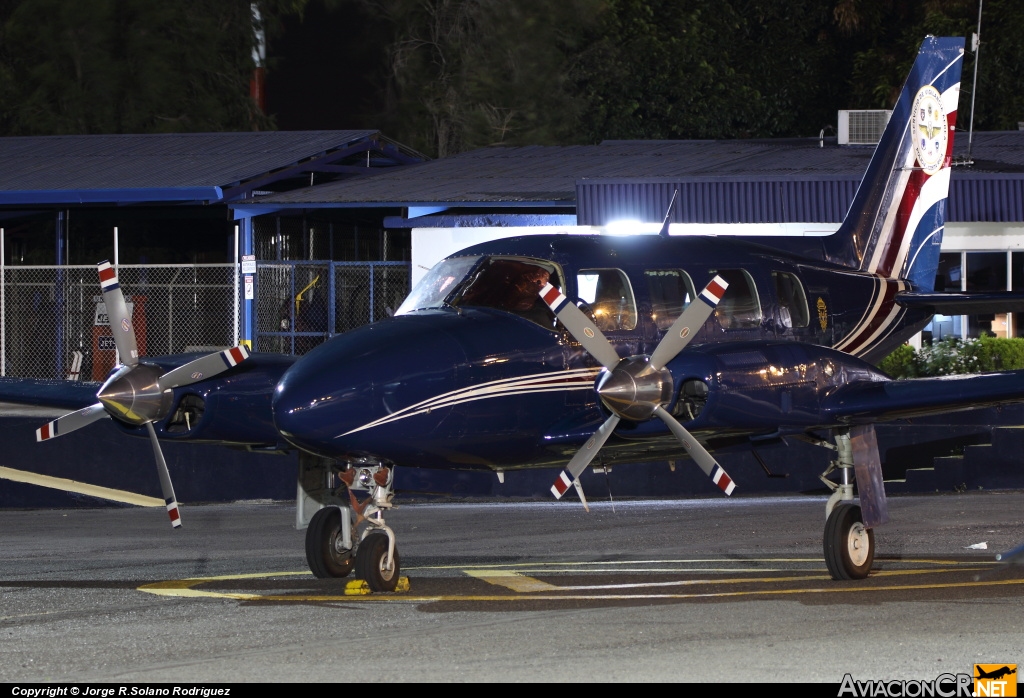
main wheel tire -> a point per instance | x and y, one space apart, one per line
849 546
371 557
324 553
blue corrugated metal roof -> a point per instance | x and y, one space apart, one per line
70 169
776 180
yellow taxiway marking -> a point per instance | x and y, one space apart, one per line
512 580
186 587
60 483
530 589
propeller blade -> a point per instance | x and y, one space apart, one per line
118 315
583 497
71 421
687 324
582 459
203 367
165 478
580 327
698 453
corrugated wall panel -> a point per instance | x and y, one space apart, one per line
997 199
772 201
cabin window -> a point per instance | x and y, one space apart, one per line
671 290
739 307
609 298
512 285
792 300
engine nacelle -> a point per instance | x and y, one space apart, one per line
755 385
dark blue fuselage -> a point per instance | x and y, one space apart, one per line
472 387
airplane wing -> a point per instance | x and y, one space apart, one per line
70 395
879 401
964 303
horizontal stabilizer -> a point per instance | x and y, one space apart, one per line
964 303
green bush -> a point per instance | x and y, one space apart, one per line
953 356
901 363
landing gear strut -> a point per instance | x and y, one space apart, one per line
334 544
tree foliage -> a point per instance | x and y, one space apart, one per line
468 73
454 75
129 66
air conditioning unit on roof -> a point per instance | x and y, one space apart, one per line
861 126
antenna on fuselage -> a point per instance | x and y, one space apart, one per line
976 48
668 213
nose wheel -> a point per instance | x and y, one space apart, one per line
372 563
849 546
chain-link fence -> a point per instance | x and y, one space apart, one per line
301 304
54 322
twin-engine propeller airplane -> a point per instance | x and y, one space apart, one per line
549 351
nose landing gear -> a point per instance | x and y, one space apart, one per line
334 544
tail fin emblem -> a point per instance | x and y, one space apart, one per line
929 123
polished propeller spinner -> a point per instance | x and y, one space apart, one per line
637 388
139 393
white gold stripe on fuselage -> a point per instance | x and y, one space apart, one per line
554 381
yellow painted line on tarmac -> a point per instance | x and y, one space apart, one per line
529 589
60 483
185 588
512 580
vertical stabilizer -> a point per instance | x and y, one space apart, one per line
894 226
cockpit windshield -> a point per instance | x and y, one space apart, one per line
511 284
440 282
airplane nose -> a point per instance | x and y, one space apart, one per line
358 377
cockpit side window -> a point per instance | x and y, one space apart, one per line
671 290
512 285
609 295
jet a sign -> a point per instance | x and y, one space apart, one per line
101 319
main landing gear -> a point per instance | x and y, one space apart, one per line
849 545
334 544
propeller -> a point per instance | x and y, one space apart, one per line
637 388
139 393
